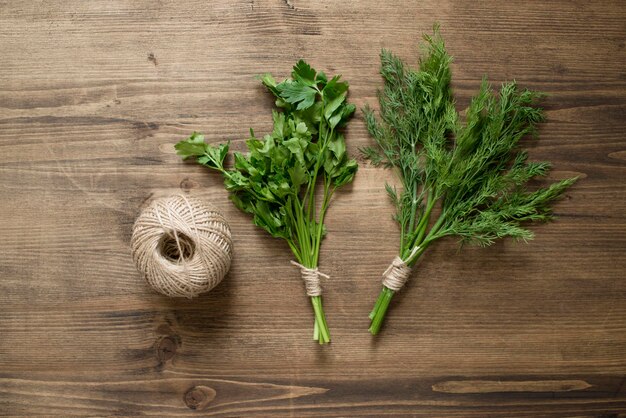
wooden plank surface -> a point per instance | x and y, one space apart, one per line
93 95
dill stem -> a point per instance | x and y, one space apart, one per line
423 224
432 234
380 310
413 210
420 229
376 305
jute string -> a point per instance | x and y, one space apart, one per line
182 246
397 273
311 278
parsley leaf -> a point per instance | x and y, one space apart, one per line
204 153
297 92
304 73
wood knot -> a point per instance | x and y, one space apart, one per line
166 347
187 184
198 397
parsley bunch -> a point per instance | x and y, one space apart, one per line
470 171
276 180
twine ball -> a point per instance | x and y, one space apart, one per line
182 246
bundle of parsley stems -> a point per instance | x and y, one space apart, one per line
276 180
459 178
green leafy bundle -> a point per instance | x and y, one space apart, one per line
276 180
472 173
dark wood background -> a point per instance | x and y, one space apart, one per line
93 95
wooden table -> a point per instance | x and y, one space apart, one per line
93 95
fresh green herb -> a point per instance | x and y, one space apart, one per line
473 174
276 181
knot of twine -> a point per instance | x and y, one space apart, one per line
182 246
398 272
311 278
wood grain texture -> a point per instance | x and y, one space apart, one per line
93 95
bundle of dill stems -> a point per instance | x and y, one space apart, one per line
468 171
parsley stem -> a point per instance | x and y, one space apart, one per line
294 250
328 192
322 142
302 234
320 320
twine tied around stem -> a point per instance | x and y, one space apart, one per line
398 272
311 278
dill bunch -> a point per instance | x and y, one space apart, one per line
472 170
